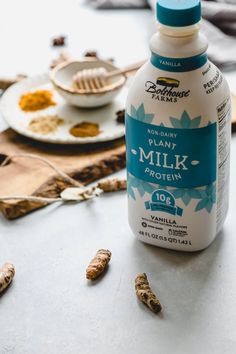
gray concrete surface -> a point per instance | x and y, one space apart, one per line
50 307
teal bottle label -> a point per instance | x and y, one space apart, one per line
178 64
163 200
181 158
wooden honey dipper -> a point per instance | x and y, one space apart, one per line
95 79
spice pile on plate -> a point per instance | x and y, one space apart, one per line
45 124
85 129
37 100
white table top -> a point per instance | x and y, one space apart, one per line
50 307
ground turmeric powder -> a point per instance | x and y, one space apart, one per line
85 129
98 264
37 100
145 294
7 273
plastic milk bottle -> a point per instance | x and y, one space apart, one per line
178 128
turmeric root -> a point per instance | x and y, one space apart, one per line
98 264
145 294
7 273
112 185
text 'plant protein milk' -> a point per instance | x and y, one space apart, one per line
178 127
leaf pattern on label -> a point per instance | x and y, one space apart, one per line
205 195
185 122
186 194
140 114
194 163
208 198
141 186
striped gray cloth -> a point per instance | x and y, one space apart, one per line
120 4
221 13
219 25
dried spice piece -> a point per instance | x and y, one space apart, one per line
84 130
3 157
45 124
233 113
94 54
234 126
145 294
120 116
37 100
98 264
5 82
85 193
58 41
64 56
91 54
7 273
112 185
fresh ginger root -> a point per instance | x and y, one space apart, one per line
98 264
112 185
7 273
145 294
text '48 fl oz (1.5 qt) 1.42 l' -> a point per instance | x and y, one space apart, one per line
178 126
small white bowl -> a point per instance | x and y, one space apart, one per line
62 79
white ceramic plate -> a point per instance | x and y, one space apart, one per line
19 120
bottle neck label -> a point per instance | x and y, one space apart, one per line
178 64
